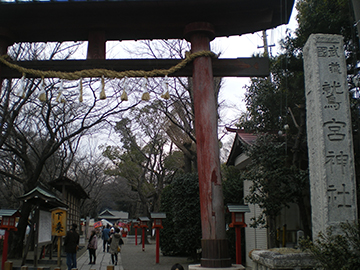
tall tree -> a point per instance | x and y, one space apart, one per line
141 157
179 107
277 104
33 131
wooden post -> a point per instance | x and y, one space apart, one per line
36 236
214 243
143 239
5 249
96 45
8 265
157 244
284 236
59 251
110 267
238 244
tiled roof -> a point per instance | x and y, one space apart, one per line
242 138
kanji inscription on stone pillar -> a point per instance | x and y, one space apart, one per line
331 157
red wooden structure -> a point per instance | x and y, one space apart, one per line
143 225
238 221
157 225
136 226
8 223
198 21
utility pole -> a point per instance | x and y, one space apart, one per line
266 46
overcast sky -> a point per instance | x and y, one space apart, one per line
232 93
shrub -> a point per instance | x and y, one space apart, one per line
339 250
182 227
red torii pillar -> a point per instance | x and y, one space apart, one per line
215 253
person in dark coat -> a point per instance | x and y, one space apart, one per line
71 245
105 237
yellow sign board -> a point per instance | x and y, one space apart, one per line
58 222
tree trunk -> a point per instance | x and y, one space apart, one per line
272 232
16 246
305 216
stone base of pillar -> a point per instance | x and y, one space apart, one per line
232 267
215 253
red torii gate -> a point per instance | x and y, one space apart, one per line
199 21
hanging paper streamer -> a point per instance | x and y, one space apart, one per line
21 91
80 90
60 97
42 93
124 96
165 86
102 93
145 96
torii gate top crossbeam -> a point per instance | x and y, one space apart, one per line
62 20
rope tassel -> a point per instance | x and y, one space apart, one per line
124 96
60 97
145 96
21 91
42 93
165 85
102 93
80 90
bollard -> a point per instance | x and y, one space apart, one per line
284 236
57 268
8 265
110 267
24 267
40 268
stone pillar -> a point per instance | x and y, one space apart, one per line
214 243
330 145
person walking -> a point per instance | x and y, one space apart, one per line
71 245
105 237
177 266
115 243
92 246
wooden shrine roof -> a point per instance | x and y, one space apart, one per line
62 20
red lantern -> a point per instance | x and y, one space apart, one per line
143 225
9 222
157 217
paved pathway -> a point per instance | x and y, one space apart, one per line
131 258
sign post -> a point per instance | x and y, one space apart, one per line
58 228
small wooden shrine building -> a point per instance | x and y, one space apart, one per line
72 194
